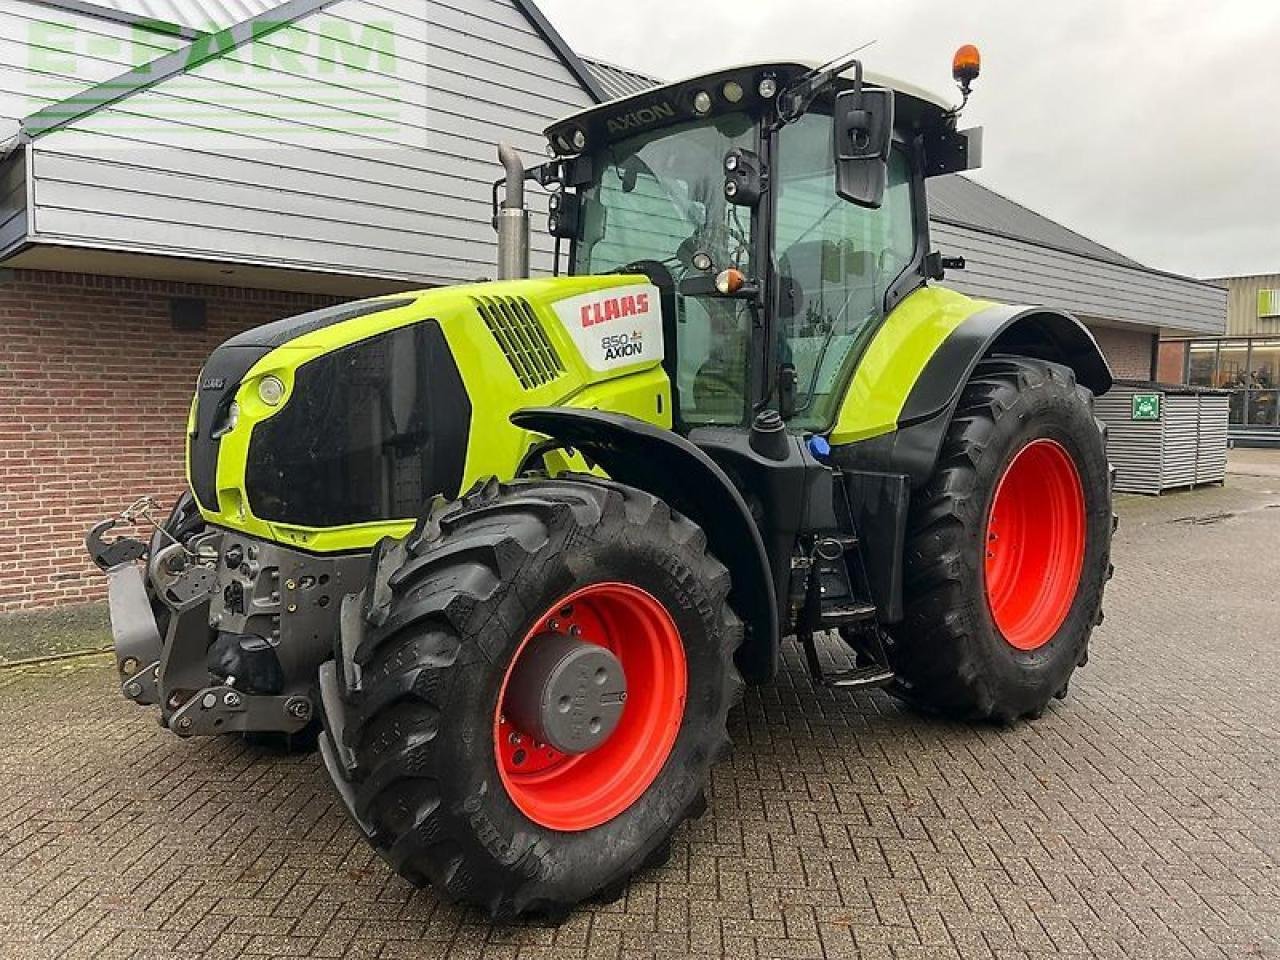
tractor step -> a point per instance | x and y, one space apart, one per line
861 679
877 673
847 615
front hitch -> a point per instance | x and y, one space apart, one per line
137 636
109 554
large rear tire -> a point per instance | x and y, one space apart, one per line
430 744
1008 548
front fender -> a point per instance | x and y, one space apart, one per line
668 466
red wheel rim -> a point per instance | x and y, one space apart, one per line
1035 544
573 793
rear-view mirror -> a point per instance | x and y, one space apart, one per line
863 122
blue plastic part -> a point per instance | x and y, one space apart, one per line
820 447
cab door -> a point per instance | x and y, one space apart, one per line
835 263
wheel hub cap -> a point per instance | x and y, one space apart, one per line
614 652
567 693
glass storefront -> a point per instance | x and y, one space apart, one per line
1249 368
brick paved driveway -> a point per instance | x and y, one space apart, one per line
1140 818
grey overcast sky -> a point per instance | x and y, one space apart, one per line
1151 126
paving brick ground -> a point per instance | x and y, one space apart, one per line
1140 818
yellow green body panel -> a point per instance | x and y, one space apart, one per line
495 447
888 370
894 360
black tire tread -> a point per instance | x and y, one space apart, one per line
933 651
424 599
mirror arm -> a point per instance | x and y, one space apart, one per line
795 100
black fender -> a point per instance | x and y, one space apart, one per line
1037 332
668 466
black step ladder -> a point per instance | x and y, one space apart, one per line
852 612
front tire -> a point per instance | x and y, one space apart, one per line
1008 548
427 744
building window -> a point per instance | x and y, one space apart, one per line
1203 364
1250 369
1264 364
1264 383
1233 365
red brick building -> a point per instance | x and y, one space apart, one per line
96 385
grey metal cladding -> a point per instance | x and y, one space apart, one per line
408 202
1015 271
13 200
47 54
580 70
174 64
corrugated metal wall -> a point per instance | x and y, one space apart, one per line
1242 306
1211 456
360 140
1012 271
1135 448
1187 446
1181 416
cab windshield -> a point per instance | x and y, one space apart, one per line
660 196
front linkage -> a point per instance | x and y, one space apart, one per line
189 613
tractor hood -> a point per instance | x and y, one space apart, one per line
321 429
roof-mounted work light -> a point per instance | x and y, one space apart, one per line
966 66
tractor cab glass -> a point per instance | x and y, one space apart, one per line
660 196
835 261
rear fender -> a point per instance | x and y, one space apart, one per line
668 466
1037 332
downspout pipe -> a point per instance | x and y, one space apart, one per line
513 219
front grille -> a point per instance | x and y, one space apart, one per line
219 381
515 327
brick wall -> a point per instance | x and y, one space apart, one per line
95 386
1173 361
1128 351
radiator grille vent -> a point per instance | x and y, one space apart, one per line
515 327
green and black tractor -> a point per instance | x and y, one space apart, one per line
512 549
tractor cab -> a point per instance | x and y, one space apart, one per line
780 205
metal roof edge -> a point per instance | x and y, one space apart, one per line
566 54
61 241
206 47
1062 226
1135 266
1241 276
101 95
152 24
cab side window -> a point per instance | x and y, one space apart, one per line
836 261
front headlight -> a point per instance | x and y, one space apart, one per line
271 391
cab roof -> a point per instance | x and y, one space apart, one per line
915 107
